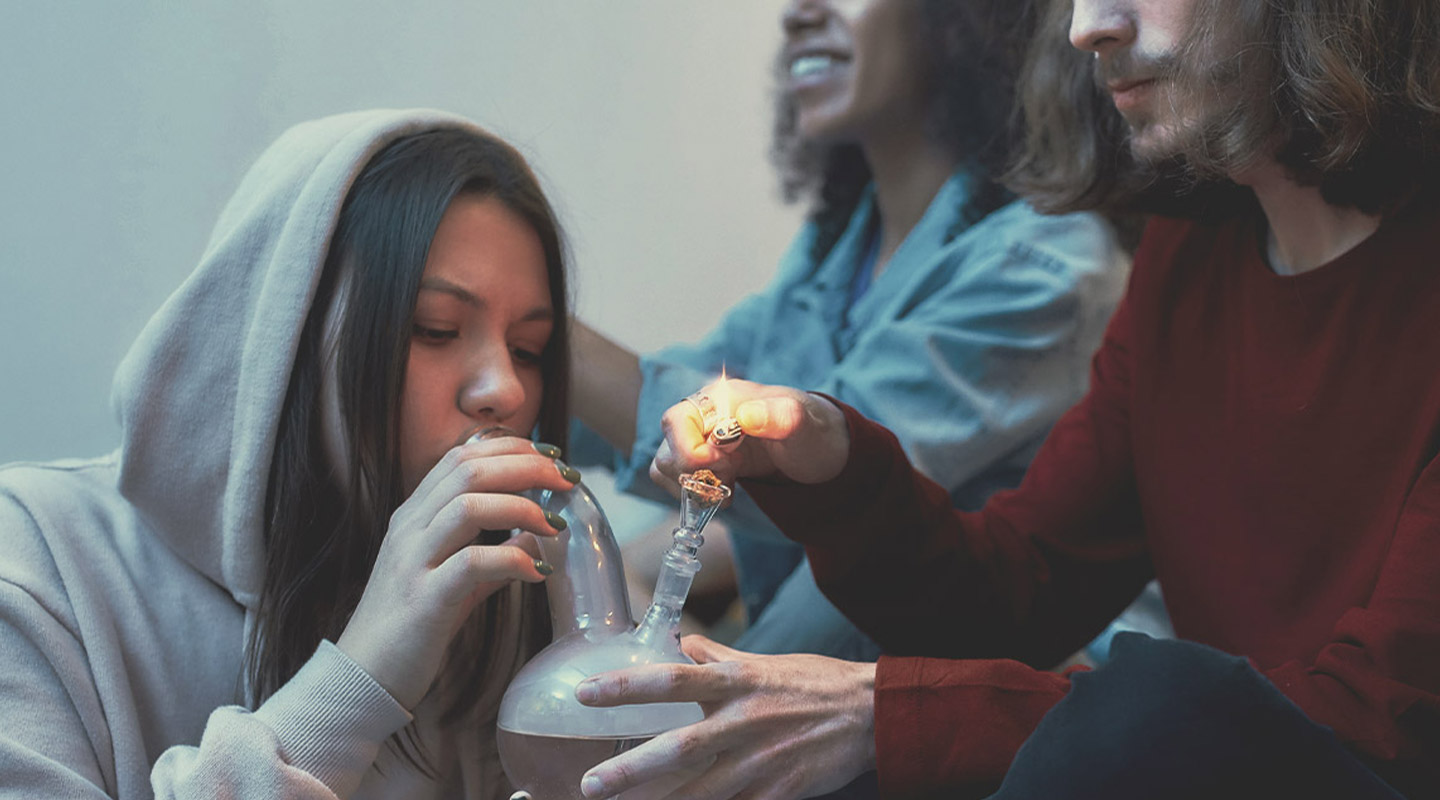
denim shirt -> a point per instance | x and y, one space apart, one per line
968 345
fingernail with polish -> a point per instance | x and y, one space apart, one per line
592 786
568 472
547 450
555 520
543 567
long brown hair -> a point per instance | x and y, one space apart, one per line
1344 94
972 51
322 537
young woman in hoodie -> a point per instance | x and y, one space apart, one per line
287 581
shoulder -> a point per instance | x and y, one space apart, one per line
1077 243
42 508
1165 238
53 508
39 489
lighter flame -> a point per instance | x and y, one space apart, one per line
722 395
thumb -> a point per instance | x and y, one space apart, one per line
770 417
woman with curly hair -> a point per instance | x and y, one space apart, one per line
920 289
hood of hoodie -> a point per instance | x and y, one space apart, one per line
199 394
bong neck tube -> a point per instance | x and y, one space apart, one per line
590 590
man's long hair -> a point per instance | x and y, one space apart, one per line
1344 94
973 51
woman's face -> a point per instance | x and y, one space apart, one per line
482 320
853 67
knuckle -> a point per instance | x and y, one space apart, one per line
475 561
624 771
473 470
669 419
469 506
688 746
671 677
618 686
739 674
397 518
454 456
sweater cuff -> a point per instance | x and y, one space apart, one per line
812 513
954 725
331 719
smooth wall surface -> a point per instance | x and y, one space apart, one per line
125 126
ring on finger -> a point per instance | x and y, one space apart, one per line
706 407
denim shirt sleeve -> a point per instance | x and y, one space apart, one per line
671 374
675 372
976 369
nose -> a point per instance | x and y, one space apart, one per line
1100 26
492 390
802 15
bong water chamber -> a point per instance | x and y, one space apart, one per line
547 739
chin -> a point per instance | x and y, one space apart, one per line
1153 144
823 126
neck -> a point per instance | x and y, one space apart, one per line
908 168
1305 232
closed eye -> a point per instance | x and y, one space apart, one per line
434 335
527 356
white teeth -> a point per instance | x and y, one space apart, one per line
809 65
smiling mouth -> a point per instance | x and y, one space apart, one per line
813 65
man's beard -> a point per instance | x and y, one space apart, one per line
1185 109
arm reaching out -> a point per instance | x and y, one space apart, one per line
775 726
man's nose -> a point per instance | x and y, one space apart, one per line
1099 26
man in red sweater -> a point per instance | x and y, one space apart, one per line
1262 434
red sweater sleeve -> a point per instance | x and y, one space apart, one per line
1376 683
1032 577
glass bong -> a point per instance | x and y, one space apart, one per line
547 739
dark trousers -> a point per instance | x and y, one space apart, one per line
1177 720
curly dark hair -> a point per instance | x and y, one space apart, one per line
973 52
1344 94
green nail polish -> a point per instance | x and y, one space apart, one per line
556 521
547 450
568 472
543 567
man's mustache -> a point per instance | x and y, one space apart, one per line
1129 67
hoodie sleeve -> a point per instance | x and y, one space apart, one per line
314 738
51 742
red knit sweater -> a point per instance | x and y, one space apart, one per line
1265 445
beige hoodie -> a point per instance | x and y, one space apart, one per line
128 582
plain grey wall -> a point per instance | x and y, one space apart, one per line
125 126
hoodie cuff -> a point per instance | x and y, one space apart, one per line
331 719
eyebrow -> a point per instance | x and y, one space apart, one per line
469 298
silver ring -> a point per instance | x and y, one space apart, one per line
706 407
